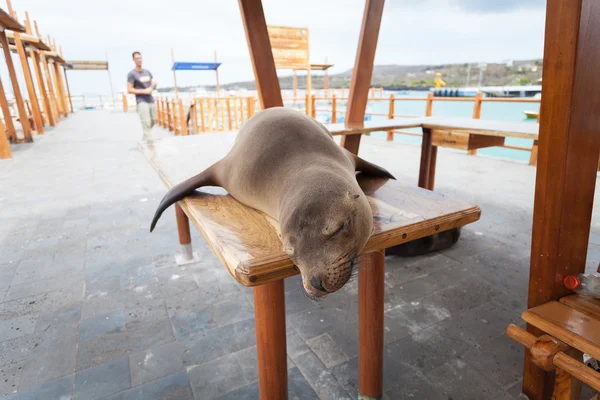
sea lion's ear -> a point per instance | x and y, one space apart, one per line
367 167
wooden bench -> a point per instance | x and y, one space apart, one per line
571 327
247 243
456 133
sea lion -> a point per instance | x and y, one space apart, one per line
287 165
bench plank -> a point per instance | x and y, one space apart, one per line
567 324
584 304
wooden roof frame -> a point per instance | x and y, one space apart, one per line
569 144
9 23
30 41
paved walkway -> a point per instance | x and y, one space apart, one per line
92 306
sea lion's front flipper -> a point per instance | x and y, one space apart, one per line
183 189
367 167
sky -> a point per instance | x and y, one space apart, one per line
412 32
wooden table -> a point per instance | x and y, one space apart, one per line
456 133
247 243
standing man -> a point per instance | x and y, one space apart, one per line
141 83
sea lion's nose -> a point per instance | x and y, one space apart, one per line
317 284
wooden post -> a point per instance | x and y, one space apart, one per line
433 151
306 101
235 114
218 87
15 85
62 89
37 116
4 146
295 84
269 299
313 106
371 277
569 144
222 114
33 106
202 123
35 57
390 134
476 115
69 90
174 75
363 71
51 95
42 87
228 113
242 111
183 122
126 106
533 158
269 308
250 107
168 121
10 126
333 109
59 95
216 114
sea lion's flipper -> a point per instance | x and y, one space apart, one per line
183 189
367 167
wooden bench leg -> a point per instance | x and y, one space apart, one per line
428 161
187 256
370 325
269 310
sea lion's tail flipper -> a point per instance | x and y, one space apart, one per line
183 189
367 167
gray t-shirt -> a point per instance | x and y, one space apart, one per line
141 80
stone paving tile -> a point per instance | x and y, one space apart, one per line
501 360
9 377
21 326
217 377
156 362
459 380
206 346
103 380
482 324
298 389
320 377
427 349
94 327
173 387
61 389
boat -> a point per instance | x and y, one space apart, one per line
531 114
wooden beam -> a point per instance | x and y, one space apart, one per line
15 85
69 90
267 83
37 114
569 146
363 71
61 89
10 126
4 146
35 56
51 93
44 92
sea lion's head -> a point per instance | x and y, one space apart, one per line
324 234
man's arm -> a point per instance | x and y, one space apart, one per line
132 90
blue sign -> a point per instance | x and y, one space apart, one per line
194 66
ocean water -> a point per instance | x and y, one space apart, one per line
489 110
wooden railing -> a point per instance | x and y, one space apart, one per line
212 114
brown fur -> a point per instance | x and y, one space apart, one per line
287 165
